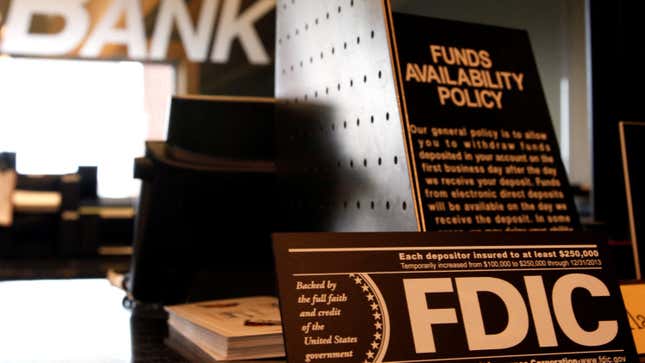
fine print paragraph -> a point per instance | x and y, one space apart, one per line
489 179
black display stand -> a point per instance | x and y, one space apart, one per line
206 208
633 151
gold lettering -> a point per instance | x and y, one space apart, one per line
435 51
519 79
411 73
484 56
444 94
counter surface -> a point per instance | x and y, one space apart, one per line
78 321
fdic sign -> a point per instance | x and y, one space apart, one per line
207 30
449 297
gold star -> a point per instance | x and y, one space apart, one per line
375 345
358 280
377 316
365 288
374 306
377 336
378 325
370 354
370 297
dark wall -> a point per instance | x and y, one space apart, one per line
617 55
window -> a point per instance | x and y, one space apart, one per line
58 115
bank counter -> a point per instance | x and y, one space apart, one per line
78 320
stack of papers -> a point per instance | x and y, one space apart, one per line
232 329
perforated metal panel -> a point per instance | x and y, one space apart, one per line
340 140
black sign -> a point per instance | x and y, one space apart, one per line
481 144
632 135
463 297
